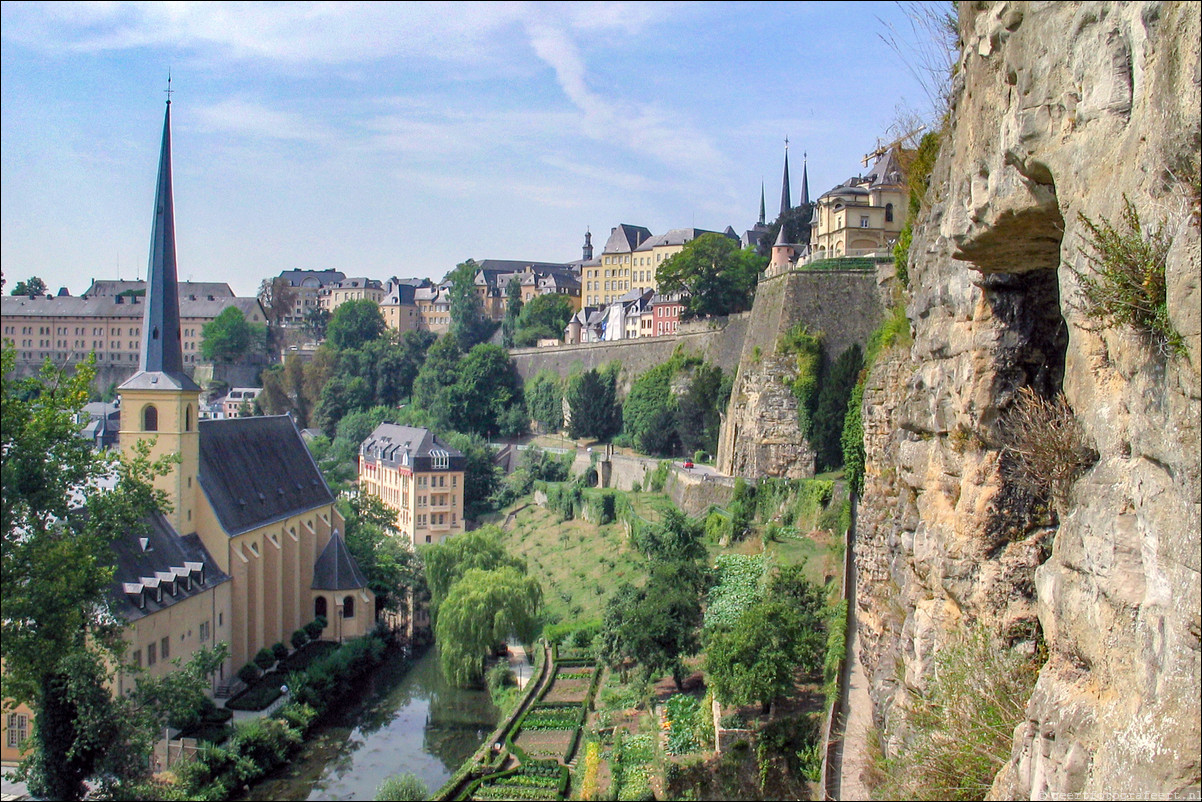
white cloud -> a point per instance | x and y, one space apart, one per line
248 118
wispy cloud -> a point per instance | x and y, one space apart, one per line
251 119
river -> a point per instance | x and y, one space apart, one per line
406 720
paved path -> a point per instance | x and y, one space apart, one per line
855 732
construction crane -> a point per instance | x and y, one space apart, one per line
881 150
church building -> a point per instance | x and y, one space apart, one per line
251 515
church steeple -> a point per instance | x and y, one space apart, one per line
159 402
162 351
762 211
588 245
785 204
805 181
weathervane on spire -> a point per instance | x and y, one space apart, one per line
169 90
786 143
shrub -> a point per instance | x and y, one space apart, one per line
266 741
1124 280
265 659
1044 447
279 651
299 639
962 723
314 628
499 676
297 715
249 673
405 787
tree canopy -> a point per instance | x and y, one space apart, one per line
355 323
31 286
592 402
278 297
446 562
545 316
61 637
716 276
482 609
469 325
230 337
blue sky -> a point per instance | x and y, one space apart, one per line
401 139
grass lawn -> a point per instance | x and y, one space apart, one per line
579 564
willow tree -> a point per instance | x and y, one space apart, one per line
482 610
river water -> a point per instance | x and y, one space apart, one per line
406 720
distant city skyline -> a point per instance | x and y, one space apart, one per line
401 139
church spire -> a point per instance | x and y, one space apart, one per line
162 350
762 211
785 204
805 181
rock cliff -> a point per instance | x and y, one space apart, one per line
1060 112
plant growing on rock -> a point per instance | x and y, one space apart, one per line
1123 283
1045 449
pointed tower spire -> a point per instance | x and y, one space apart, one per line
805 181
162 349
762 211
785 204
588 244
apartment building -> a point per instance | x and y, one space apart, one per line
417 477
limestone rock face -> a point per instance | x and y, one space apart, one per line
764 436
1060 110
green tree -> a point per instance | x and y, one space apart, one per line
649 412
373 540
317 322
438 373
513 308
544 401
32 286
481 475
446 562
830 408
656 626
545 316
469 325
486 386
757 659
716 276
230 337
700 409
59 634
592 402
482 609
674 539
355 323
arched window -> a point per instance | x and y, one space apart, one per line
888 212
319 607
348 607
188 418
150 418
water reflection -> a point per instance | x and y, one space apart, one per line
350 755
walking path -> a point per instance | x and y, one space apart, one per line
854 750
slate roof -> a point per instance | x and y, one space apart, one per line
336 569
195 289
315 278
625 238
157 557
258 470
408 446
107 306
678 236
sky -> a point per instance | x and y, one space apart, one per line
400 139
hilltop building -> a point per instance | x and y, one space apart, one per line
863 215
333 296
418 478
107 320
308 284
